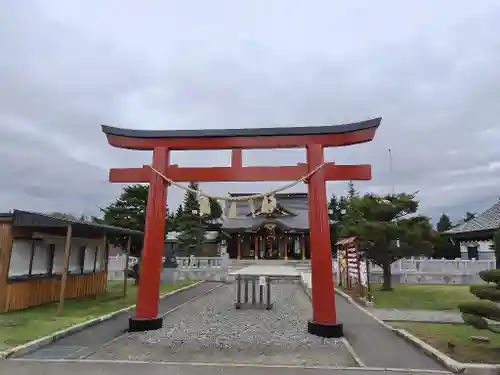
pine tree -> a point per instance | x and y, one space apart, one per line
191 225
179 211
215 210
128 211
379 222
444 223
351 191
171 222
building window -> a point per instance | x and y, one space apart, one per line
76 259
90 257
35 257
58 265
52 251
41 263
472 252
20 258
29 257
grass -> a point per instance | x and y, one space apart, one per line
422 296
463 349
19 327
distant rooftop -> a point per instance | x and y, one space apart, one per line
488 220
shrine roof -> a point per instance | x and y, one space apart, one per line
246 132
487 220
294 203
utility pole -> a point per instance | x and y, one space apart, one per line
391 172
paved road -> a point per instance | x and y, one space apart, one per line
84 343
20 367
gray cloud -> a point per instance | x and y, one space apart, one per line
431 73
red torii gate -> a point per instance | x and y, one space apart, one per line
314 139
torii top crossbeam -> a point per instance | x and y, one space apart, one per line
260 138
236 140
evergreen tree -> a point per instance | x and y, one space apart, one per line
387 229
443 246
128 211
351 191
179 211
191 225
215 210
444 223
351 213
171 222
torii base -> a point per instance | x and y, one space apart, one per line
325 330
141 325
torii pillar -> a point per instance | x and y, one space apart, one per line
324 321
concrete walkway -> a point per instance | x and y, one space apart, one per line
376 345
427 316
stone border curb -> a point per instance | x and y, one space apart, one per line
447 362
236 365
43 341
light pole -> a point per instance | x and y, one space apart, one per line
390 171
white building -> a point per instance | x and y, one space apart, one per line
476 235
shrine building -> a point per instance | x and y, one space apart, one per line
280 234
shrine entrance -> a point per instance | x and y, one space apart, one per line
314 173
271 243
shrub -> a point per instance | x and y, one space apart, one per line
475 313
490 276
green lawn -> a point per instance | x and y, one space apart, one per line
19 327
462 348
422 296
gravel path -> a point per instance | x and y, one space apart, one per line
210 329
428 316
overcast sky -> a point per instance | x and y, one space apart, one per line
429 68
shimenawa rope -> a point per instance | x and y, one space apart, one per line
199 192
